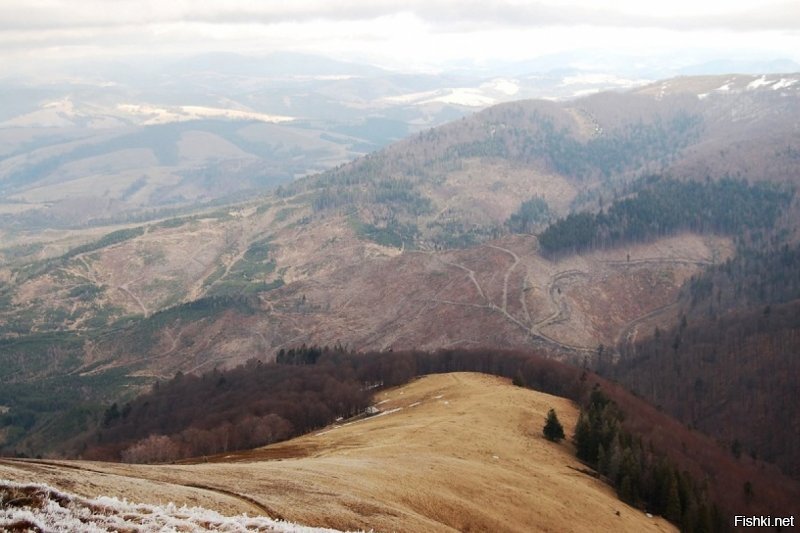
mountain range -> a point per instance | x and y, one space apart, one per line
618 231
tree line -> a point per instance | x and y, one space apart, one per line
245 407
641 477
729 365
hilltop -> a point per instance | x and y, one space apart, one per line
451 451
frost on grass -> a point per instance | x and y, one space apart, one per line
40 508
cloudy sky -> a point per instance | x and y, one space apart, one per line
394 33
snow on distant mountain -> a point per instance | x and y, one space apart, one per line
162 115
704 86
64 113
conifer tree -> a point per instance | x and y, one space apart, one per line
553 430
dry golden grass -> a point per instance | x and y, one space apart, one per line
452 452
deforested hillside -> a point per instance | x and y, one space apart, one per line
503 293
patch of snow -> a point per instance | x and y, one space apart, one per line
702 96
586 92
44 508
724 88
662 90
65 106
438 397
160 115
215 112
415 404
488 93
375 414
503 85
410 98
760 82
151 114
783 83
463 96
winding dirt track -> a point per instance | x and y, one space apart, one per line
558 302
509 270
533 330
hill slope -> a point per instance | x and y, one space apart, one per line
450 452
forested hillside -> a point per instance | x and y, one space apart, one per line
756 276
730 367
640 476
661 206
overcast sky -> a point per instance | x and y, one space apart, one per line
394 33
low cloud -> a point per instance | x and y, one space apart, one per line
391 32
20 15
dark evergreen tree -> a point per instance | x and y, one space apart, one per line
553 430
